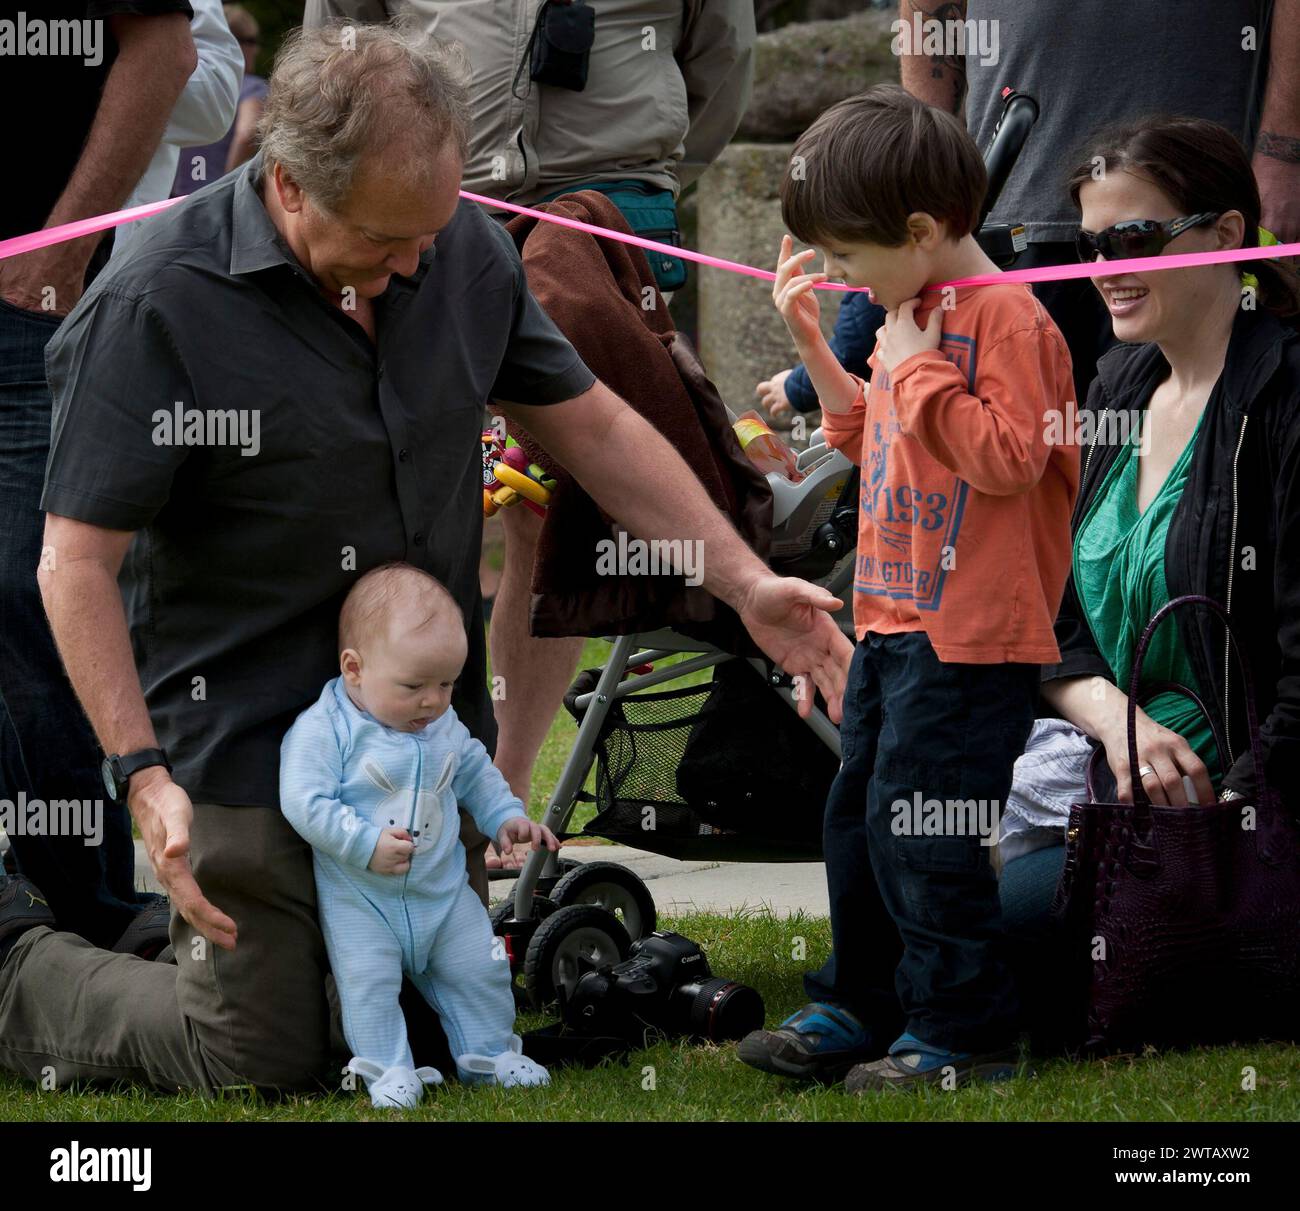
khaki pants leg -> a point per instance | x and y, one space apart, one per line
255 1015
259 1014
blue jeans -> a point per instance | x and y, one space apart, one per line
47 748
915 919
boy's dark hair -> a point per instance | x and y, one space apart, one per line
1201 166
869 161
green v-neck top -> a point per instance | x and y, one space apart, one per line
1119 575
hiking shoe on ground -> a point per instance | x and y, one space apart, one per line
912 1063
820 1042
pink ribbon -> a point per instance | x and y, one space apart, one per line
1045 273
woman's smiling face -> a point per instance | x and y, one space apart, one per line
1155 306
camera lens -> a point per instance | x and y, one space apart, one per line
722 1009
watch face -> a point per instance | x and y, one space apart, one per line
110 783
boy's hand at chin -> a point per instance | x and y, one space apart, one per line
901 337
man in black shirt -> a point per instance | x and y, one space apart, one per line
111 70
281 388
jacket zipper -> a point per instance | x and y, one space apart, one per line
410 828
1232 567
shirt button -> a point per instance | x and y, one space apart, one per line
419 538
403 454
380 372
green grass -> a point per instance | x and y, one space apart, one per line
708 1084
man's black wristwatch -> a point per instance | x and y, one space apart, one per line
117 770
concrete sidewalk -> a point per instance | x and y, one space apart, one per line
677 887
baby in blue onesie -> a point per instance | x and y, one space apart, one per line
371 775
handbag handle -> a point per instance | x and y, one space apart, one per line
1153 690
1140 797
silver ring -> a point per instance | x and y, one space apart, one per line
1144 770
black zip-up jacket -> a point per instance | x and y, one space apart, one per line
1234 536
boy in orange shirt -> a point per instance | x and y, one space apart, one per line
963 552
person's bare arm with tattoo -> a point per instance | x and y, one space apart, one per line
1277 148
938 80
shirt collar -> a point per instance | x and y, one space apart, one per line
256 244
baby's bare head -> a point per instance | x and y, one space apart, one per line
402 645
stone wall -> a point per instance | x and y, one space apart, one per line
801 69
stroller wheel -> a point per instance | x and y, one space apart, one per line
615 889
567 945
518 934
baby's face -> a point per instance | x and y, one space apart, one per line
405 679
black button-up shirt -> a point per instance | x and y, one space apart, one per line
208 397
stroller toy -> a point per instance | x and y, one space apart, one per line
508 477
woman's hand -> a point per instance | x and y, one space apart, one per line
1164 756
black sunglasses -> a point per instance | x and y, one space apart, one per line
1135 237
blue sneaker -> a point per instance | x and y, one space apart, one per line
912 1062
821 1042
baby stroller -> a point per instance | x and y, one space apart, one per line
722 770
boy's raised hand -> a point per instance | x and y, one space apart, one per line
393 852
793 294
521 828
901 338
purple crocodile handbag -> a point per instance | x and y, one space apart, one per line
1186 920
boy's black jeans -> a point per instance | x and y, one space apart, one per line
915 920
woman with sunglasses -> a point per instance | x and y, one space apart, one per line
1190 484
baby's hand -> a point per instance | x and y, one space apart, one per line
521 828
393 852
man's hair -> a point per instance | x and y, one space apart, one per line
869 161
344 91
369 606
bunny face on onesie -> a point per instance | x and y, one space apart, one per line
425 817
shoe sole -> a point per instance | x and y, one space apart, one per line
993 1070
829 1072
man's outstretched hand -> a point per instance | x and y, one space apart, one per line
164 813
790 620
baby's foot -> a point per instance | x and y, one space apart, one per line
399 1087
508 1069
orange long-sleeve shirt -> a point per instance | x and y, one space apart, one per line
964 530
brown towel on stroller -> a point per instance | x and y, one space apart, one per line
593 289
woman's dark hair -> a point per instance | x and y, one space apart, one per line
1202 167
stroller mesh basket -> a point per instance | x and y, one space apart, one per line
720 771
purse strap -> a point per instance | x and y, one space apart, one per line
1265 793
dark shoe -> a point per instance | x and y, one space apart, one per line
912 1063
819 1043
22 907
147 936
